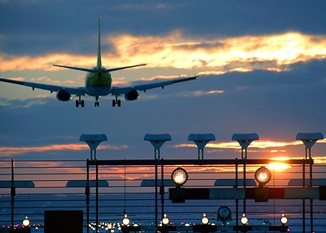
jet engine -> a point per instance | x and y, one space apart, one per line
131 95
62 95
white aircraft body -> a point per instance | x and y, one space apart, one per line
98 83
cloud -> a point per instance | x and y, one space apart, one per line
275 52
12 151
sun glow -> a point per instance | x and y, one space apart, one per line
278 166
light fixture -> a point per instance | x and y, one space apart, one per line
93 140
263 175
244 219
165 220
204 220
179 176
26 222
157 140
125 221
201 140
284 220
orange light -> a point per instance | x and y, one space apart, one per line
278 166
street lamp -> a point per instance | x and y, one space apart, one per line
157 140
201 140
93 140
244 140
308 139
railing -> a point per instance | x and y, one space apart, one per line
42 186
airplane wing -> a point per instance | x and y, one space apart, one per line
143 87
52 88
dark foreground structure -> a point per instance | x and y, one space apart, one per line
140 196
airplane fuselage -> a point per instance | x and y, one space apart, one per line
98 83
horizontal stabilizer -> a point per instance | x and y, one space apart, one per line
76 68
123 68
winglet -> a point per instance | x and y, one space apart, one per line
99 62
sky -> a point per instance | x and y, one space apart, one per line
262 68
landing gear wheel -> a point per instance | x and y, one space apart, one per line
113 103
80 102
97 104
119 103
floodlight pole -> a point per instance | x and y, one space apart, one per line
157 140
93 140
12 193
308 139
244 140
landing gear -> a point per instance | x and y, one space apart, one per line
116 102
80 102
97 104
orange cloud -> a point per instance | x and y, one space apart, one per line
11 151
254 144
243 54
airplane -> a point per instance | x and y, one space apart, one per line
98 83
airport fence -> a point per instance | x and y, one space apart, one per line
31 187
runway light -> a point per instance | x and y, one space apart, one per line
244 219
263 175
204 220
26 222
125 221
165 220
284 219
179 176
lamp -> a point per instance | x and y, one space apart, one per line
157 140
179 176
201 140
165 220
244 140
263 176
244 219
204 220
93 140
308 139
125 220
26 222
284 219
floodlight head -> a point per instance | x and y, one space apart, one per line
179 176
93 140
201 139
157 140
263 175
245 139
309 139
